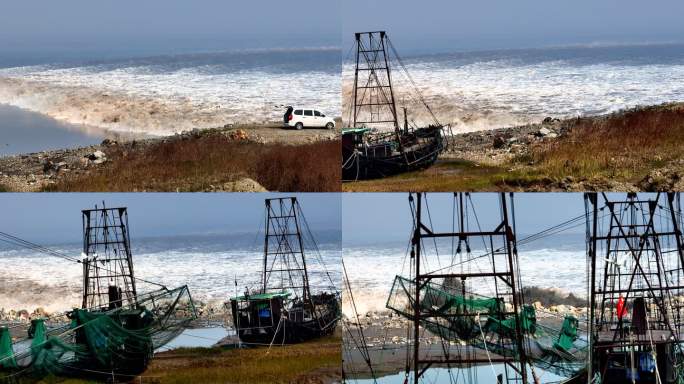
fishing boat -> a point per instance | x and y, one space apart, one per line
117 329
283 310
368 150
636 258
469 304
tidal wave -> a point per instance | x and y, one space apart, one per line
487 90
168 94
371 272
30 280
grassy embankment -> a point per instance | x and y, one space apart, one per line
213 160
314 362
317 361
622 147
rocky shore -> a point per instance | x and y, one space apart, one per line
507 146
37 171
497 146
208 314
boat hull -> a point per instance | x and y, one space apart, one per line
362 161
266 321
290 332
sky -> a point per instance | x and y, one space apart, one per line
165 26
385 217
56 218
448 25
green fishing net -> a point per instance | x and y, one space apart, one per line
483 323
7 359
568 334
121 340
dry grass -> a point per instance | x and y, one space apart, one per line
312 362
200 163
445 176
623 146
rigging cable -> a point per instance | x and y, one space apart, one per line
10 239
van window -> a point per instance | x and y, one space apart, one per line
298 112
308 113
316 113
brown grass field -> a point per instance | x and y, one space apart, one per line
623 147
199 164
314 362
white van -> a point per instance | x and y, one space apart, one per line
306 117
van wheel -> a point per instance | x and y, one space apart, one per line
299 126
330 126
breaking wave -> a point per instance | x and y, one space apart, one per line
29 280
487 90
168 94
371 271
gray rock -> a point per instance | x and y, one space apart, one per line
498 142
97 157
243 185
109 142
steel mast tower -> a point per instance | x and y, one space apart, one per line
635 259
108 278
284 260
373 100
503 274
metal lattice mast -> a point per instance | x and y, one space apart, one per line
108 277
506 274
636 258
373 101
284 256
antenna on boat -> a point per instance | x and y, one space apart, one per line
108 278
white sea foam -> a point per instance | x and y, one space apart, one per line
28 280
371 272
160 99
504 92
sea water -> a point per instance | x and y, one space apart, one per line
162 94
215 268
556 262
491 89
486 373
198 337
23 131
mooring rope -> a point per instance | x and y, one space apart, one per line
413 83
363 347
276 334
653 351
484 342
